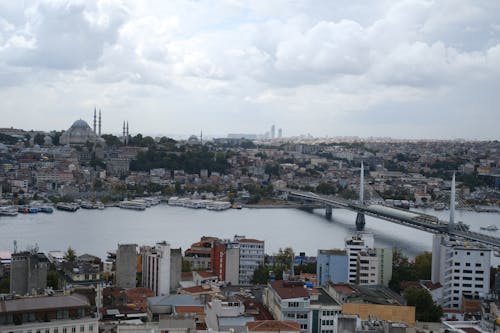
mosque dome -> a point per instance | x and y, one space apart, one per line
80 123
78 134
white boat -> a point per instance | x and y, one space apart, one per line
490 227
135 205
8 211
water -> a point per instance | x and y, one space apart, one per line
98 231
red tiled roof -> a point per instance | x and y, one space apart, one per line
250 240
342 288
189 309
197 290
205 274
272 325
431 286
289 290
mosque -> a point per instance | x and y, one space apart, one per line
80 133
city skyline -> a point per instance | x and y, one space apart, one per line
406 69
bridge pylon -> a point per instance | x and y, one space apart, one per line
328 212
360 217
360 221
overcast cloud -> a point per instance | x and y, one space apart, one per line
415 69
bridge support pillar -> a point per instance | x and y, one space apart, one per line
360 221
328 212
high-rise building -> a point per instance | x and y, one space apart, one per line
353 245
385 265
225 259
367 267
273 132
461 268
332 266
175 268
280 133
28 273
251 256
156 268
126 265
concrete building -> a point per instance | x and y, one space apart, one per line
385 265
226 315
226 261
126 265
353 245
368 267
324 309
251 257
332 266
28 273
289 300
461 268
175 268
48 314
156 268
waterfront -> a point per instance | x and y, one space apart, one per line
98 231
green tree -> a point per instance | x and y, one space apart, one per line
425 309
53 279
284 258
70 254
423 266
5 285
186 265
39 139
260 275
402 270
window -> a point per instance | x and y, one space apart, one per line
479 272
467 271
82 328
73 329
457 264
56 330
468 253
303 326
456 285
482 254
293 304
467 264
456 271
65 330
301 315
478 286
467 278
478 265
466 285
290 315
455 291
479 279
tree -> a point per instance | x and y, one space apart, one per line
402 270
186 265
39 139
425 309
260 275
284 258
423 266
53 279
70 254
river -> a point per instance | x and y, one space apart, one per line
98 231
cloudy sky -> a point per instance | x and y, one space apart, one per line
406 69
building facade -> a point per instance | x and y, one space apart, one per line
461 268
353 245
251 257
156 268
367 267
126 265
332 266
28 273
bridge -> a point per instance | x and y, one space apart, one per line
416 220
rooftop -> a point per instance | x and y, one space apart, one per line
43 303
174 300
333 252
273 326
287 290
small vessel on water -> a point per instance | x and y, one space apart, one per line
132 204
490 227
67 206
92 205
439 206
46 209
8 211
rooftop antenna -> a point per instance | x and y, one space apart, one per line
451 223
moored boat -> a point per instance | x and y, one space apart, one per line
490 227
8 211
68 207
135 205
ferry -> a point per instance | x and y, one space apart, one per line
68 207
218 205
92 205
490 227
135 205
46 209
8 211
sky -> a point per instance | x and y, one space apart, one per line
402 69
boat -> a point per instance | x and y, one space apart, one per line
68 207
490 227
46 209
439 206
135 205
8 211
236 206
92 205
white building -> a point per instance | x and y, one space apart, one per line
367 267
251 256
460 267
156 268
385 265
353 245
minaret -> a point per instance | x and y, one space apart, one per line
99 123
362 184
123 135
451 223
95 120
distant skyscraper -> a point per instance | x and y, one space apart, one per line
273 132
280 133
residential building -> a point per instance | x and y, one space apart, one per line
226 315
126 265
156 268
273 326
324 309
175 268
461 268
353 245
384 256
332 266
367 267
289 300
394 313
28 273
54 314
251 257
225 259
